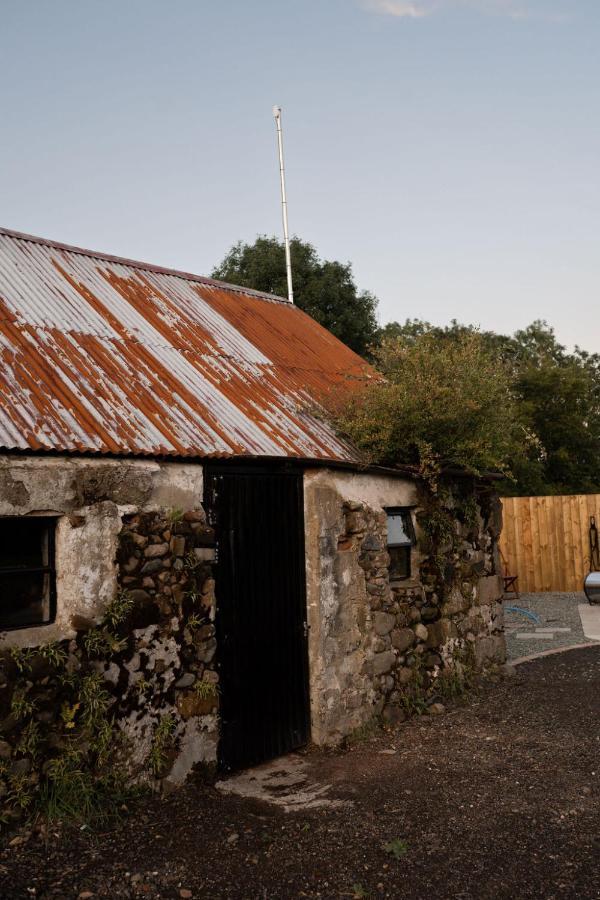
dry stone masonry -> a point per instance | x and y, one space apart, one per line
165 569
392 648
150 663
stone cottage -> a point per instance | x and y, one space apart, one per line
188 550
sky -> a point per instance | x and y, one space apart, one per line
449 149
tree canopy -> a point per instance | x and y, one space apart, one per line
439 403
325 289
556 403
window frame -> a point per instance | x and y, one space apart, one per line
49 569
406 513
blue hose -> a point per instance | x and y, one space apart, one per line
524 612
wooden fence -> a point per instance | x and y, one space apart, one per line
545 540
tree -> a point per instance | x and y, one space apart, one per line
439 403
557 396
324 289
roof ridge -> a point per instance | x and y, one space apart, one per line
149 267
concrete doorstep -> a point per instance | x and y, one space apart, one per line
283 782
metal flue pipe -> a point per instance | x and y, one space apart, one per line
286 237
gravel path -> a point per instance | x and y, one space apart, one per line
495 800
556 610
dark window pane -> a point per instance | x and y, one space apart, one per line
23 542
24 599
399 562
26 571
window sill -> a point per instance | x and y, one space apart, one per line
404 583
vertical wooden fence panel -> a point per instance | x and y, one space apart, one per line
545 540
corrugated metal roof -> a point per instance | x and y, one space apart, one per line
107 355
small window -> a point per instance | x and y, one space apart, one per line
27 579
401 540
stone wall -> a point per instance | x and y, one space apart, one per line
134 625
168 666
390 649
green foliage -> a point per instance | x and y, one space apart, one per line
438 404
54 654
205 689
118 609
175 515
438 530
79 781
29 743
557 400
97 642
21 704
22 658
19 795
74 793
94 699
458 677
359 892
162 742
396 848
324 289
413 694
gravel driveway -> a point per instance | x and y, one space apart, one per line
497 798
556 611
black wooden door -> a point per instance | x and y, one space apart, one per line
261 613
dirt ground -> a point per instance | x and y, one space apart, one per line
497 798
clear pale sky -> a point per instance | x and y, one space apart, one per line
450 149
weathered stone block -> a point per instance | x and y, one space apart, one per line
153 565
405 675
456 603
403 638
489 590
372 542
206 651
383 623
420 631
355 522
177 545
156 550
194 515
440 632
383 662
191 704
490 650
205 554
139 596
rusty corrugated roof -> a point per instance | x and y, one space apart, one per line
107 355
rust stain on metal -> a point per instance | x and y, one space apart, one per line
101 354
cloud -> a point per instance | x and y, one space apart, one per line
419 9
398 8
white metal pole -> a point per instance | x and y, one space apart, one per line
286 237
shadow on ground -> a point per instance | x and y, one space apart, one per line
498 798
